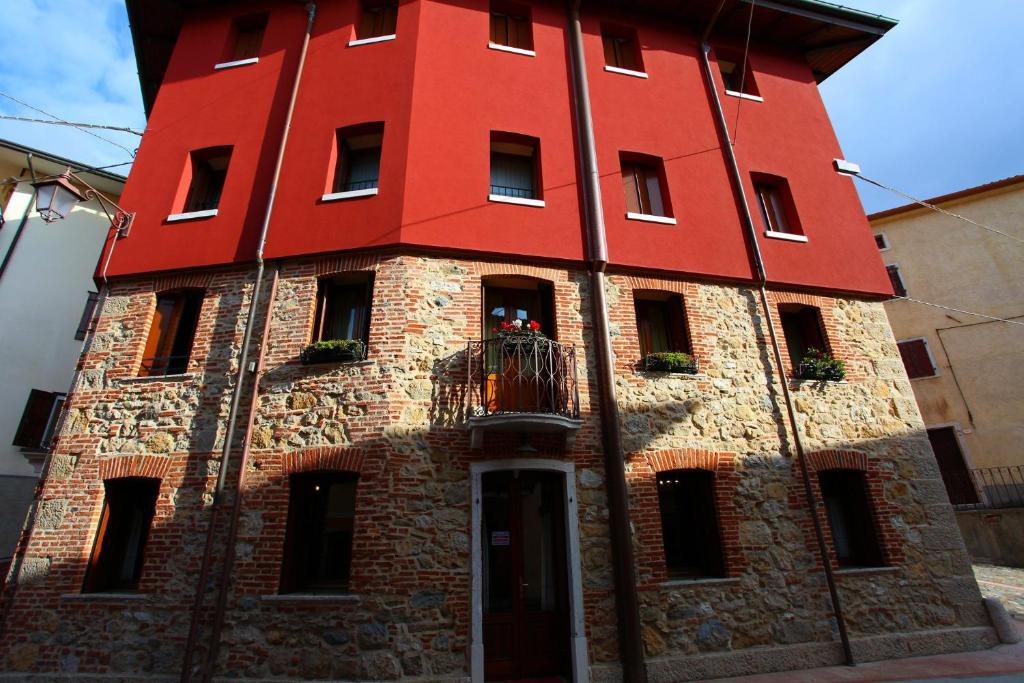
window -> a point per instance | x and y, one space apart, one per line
209 170
169 344
86 321
621 50
916 358
896 279
801 326
776 204
515 169
689 525
511 27
643 182
343 308
377 20
39 420
509 299
117 555
952 467
661 323
849 517
318 539
357 170
247 37
736 74
881 241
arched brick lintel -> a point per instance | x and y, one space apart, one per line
684 459
821 461
335 458
167 283
347 264
120 466
487 269
651 284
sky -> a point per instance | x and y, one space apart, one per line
935 106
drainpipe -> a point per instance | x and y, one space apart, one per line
748 220
630 640
24 218
236 396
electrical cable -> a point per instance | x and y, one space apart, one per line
26 119
743 75
936 208
57 118
958 310
85 169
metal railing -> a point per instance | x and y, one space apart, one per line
359 185
159 366
526 375
992 487
517 192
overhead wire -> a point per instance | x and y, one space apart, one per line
77 127
958 310
743 74
73 124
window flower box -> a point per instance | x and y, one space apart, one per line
333 351
670 361
820 365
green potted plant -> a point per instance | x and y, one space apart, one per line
820 365
332 351
670 361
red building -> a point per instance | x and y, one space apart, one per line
468 339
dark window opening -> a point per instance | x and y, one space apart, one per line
377 20
661 323
896 280
510 26
775 202
916 360
209 170
169 344
117 555
358 166
86 320
343 308
247 36
515 168
952 466
881 242
643 184
689 523
621 49
510 299
801 326
39 419
845 495
318 542
736 74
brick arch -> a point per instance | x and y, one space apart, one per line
182 281
683 459
800 298
120 466
347 263
485 269
651 284
337 458
822 461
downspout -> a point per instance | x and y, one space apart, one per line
630 639
243 361
24 218
748 220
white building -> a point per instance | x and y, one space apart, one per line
46 285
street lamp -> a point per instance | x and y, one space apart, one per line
56 196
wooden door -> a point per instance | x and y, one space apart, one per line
954 471
524 586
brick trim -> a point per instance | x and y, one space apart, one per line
835 341
821 461
183 281
337 458
347 263
486 269
650 284
120 466
683 459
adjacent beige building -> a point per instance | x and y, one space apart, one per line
967 371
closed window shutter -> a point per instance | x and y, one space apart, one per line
83 324
915 358
32 428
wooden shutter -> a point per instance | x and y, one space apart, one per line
499 29
86 321
35 418
519 33
916 359
248 42
631 188
610 53
651 188
677 325
897 282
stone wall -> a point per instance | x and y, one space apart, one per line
994 536
398 420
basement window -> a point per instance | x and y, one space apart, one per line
802 329
622 51
357 169
39 419
661 323
847 507
169 344
318 539
515 169
378 21
917 359
128 508
343 308
511 29
896 280
643 182
689 524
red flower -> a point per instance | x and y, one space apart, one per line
534 325
494 330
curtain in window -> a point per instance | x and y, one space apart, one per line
512 175
363 169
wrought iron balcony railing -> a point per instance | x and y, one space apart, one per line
523 376
991 487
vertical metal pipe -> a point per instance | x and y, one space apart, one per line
748 220
24 219
630 639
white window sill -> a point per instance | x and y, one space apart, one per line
191 215
666 220
182 377
701 581
106 597
785 236
625 72
915 379
865 571
515 200
311 597
514 50
375 39
350 194
237 62
744 96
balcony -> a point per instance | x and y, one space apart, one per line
524 385
988 488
